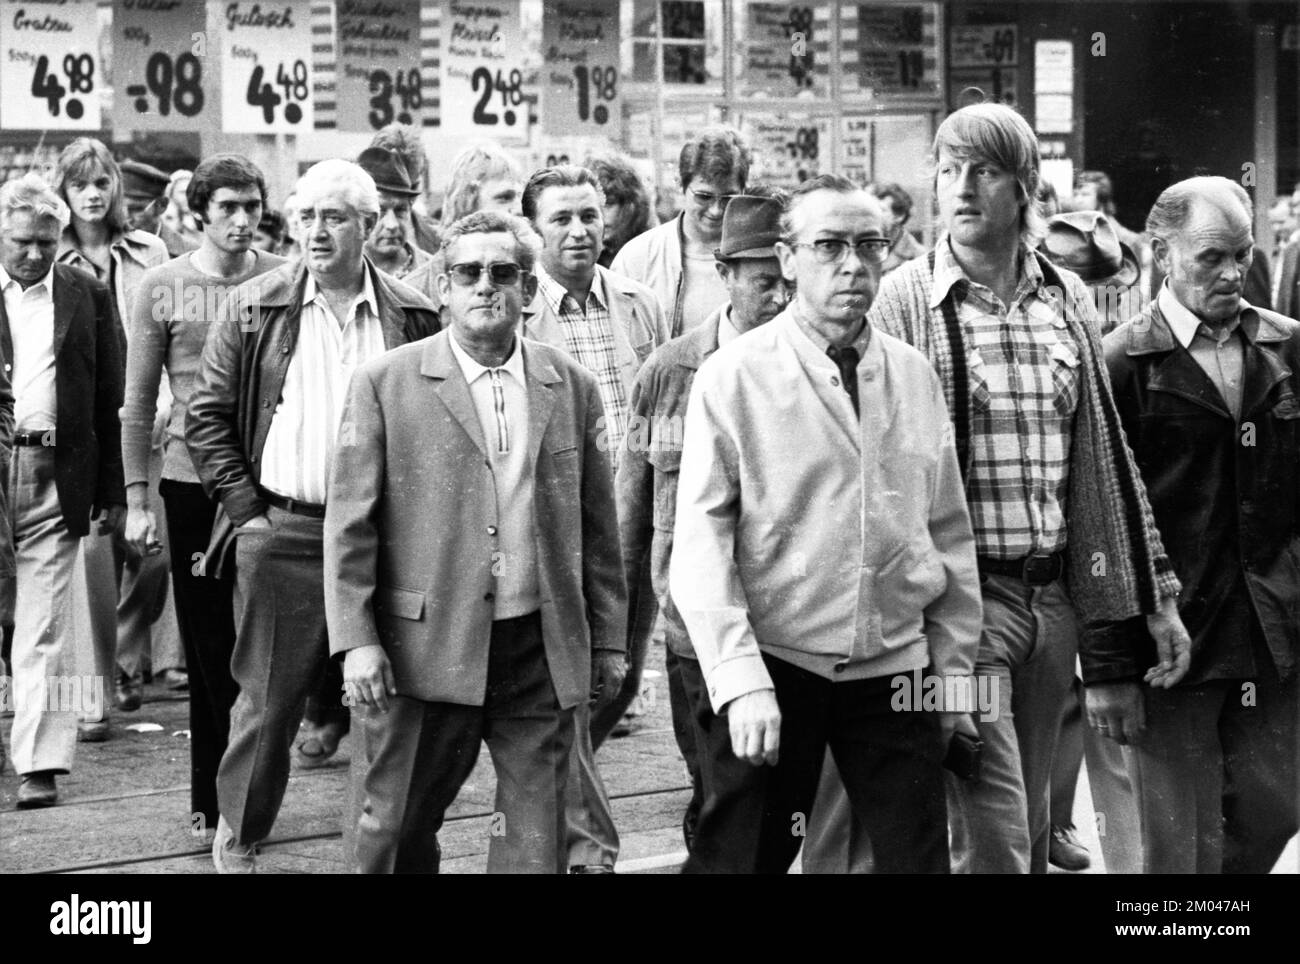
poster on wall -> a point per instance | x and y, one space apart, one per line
581 86
788 149
983 56
266 75
161 74
49 66
785 49
890 50
484 71
378 80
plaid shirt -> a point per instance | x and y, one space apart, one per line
589 338
1024 384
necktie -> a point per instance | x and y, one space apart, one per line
847 361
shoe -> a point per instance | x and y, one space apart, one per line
37 790
93 731
229 857
591 869
1066 852
176 680
317 745
128 696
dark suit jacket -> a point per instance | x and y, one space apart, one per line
90 372
241 376
1288 286
409 523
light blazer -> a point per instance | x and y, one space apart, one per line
409 548
638 323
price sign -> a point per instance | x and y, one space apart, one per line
787 150
483 93
49 65
266 81
894 48
983 45
160 79
378 53
580 79
781 48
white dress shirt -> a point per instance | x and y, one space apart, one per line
31 328
300 442
500 398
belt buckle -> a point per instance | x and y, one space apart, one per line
1037 570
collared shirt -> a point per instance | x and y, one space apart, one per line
589 338
1024 385
31 328
300 442
702 291
500 398
131 254
727 330
1219 352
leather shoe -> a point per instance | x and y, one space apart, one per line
228 856
92 731
317 745
591 869
1066 852
37 790
175 680
128 696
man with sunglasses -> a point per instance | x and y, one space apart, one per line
1060 514
822 549
472 558
265 422
675 260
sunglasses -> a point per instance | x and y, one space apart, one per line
501 273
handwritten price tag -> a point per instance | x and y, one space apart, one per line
49 67
159 66
483 72
266 68
379 79
580 92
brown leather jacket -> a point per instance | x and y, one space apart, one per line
241 377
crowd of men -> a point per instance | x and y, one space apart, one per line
450 481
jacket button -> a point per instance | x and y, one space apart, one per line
835 382
839 667
489 596
266 403
492 530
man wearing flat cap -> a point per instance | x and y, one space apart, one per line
145 189
652 454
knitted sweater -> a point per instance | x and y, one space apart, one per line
1117 567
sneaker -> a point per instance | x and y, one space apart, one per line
1066 852
230 857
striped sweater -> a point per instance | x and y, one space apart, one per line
1117 564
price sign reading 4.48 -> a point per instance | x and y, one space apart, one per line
160 64
266 68
49 67
580 90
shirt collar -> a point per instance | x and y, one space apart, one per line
861 342
367 297
1182 322
514 365
948 272
47 281
129 244
727 330
555 293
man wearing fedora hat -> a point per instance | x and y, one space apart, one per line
390 245
651 458
1086 243
821 548
1208 396
144 188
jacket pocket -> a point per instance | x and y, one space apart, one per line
981 400
403 603
667 466
1065 378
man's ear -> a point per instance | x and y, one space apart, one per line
724 270
368 221
785 253
444 288
529 287
1160 253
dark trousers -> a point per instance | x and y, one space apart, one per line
419 754
205 615
687 698
281 648
890 761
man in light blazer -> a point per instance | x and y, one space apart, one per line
472 555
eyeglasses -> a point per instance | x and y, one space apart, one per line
501 273
706 200
835 250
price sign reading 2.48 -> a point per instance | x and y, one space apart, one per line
512 95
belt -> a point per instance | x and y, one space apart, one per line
45 439
309 509
1036 570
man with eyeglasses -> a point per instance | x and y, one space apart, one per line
473 565
608 324
263 430
821 549
676 259
1061 517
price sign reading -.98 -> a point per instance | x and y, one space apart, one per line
159 66
48 68
266 83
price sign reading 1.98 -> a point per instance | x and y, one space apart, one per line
159 60
49 66
580 55
482 90
266 69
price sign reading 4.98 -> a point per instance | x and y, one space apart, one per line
266 68
49 71
159 64
580 58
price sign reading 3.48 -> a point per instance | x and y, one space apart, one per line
266 68
49 70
